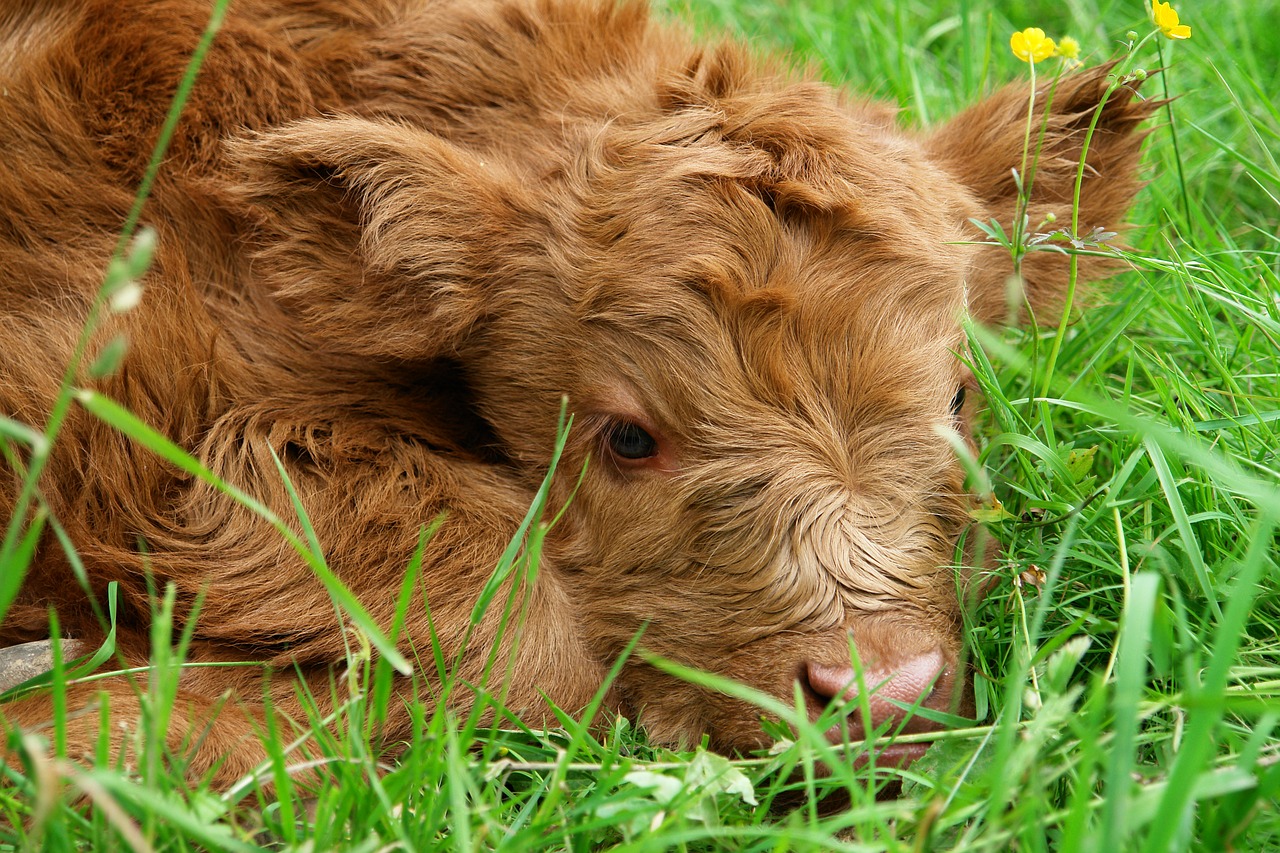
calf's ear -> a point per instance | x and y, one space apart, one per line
983 146
382 239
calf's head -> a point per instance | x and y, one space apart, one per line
753 303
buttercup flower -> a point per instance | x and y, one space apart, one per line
1166 18
1068 48
1032 45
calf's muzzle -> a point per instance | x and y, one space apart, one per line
923 679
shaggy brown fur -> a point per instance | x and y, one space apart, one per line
393 233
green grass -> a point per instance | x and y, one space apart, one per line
1127 656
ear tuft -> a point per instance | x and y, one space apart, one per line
381 239
983 146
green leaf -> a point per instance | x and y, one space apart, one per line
661 787
992 513
718 775
110 357
1080 463
20 432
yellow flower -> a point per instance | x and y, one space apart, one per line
1068 48
1166 18
1032 45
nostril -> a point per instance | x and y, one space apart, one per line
830 681
918 680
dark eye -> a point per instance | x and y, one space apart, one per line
631 442
957 403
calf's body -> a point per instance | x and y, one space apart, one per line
393 235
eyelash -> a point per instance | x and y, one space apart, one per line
631 442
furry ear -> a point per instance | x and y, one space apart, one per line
984 145
382 239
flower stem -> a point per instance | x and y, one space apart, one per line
1173 135
1073 273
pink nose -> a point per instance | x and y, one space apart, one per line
921 679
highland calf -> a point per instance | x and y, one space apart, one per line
394 234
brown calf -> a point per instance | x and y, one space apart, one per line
394 233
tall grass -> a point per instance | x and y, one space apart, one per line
1126 658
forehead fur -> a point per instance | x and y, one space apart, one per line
760 239
787 192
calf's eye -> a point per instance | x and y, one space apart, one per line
631 442
957 403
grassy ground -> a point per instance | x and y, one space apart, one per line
1127 657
